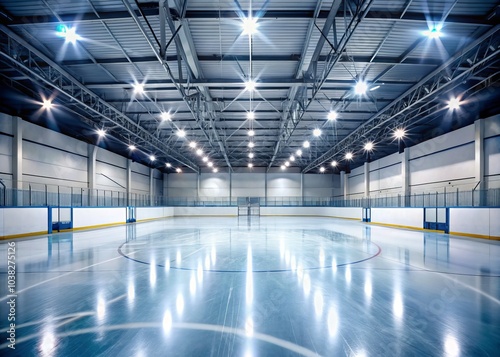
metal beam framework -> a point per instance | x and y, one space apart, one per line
301 100
26 59
422 99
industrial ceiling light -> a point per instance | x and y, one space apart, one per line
317 132
68 33
334 163
215 170
251 155
349 156
287 163
138 88
250 85
165 116
47 104
322 169
454 103
250 165
152 158
306 144
251 144
360 88
332 115
249 26
251 133
168 165
251 115
101 133
192 144
205 159
178 170
369 146
434 32
399 133
132 147
374 88
210 164
292 158
199 152
283 167
299 152
181 133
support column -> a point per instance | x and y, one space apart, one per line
165 187
151 186
343 184
302 188
198 176
230 187
265 187
91 160
129 182
405 176
17 160
479 195
367 179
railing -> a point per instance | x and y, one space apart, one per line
46 195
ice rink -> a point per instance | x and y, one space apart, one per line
268 286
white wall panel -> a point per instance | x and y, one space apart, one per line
470 221
492 126
248 185
283 185
106 174
214 185
494 222
356 184
492 161
140 183
5 156
408 217
23 220
318 185
86 217
182 185
145 213
339 212
5 123
443 142
139 168
205 211
111 158
440 168
386 178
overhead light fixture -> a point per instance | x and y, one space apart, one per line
283 167
360 88
205 159
299 152
250 85
249 25
47 104
250 165
332 115
199 152
334 163
165 116
287 163
138 88
317 132
215 170
210 164
178 170
322 169
181 133
132 147
349 156
68 33
306 144
292 158
168 164
251 115
454 103
374 88
369 146
192 144
101 133
399 133
251 133
434 32
152 158
251 155
251 144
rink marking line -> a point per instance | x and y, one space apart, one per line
60 276
185 326
379 250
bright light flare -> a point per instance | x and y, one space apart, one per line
454 103
47 104
349 156
101 133
181 133
399 133
166 116
360 88
250 86
332 115
317 132
306 144
369 146
250 26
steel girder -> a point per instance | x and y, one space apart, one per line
301 100
41 69
420 100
